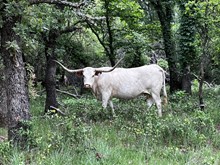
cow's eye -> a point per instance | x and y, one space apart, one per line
97 73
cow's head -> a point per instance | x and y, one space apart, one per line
89 73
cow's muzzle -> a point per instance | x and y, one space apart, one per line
87 86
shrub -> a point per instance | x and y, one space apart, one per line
5 152
187 130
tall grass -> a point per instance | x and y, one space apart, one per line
89 135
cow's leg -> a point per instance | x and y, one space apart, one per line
112 107
104 103
157 100
150 102
105 100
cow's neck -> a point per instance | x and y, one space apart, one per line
94 85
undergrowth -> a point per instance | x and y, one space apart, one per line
90 135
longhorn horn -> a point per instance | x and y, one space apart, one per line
100 70
68 70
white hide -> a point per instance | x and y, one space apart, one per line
127 83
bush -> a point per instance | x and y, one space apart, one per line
137 135
5 151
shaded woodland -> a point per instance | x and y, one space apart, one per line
182 36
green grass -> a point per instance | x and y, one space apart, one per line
88 135
3 132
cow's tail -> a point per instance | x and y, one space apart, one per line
164 88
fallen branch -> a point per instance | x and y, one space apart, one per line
197 77
75 91
67 93
2 138
58 110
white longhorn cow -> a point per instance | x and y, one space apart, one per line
125 83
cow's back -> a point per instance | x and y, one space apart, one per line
130 82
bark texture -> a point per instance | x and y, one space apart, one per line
15 80
165 15
3 101
50 73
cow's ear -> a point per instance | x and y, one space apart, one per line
79 74
98 72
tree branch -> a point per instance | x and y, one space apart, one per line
199 79
70 29
59 2
98 37
89 18
69 4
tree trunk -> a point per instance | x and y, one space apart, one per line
169 47
205 59
187 51
50 84
201 101
137 58
110 48
15 80
3 101
186 80
164 12
50 75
